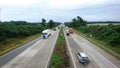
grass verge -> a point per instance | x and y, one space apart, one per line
59 58
100 44
13 43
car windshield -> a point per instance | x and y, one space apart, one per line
85 58
44 33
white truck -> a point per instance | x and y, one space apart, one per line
46 33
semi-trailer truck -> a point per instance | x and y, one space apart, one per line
71 30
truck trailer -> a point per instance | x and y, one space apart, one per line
71 30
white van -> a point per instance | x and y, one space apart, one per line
46 33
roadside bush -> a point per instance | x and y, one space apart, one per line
17 29
106 33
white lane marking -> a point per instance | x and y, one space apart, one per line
70 51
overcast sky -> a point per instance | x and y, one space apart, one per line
60 10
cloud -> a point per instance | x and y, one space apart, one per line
19 2
63 4
59 10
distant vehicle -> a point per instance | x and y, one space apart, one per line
46 33
71 30
54 29
66 27
67 32
82 57
58 27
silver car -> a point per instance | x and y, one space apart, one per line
82 57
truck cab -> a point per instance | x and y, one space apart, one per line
46 33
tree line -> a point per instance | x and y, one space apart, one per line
109 34
23 28
106 33
94 22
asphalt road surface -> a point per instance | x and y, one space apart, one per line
10 55
98 57
36 56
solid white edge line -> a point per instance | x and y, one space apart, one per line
70 51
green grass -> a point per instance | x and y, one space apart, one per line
112 50
56 61
59 58
13 43
116 49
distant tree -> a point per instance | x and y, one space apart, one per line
74 22
43 22
110 24
18 22
51 24
80 21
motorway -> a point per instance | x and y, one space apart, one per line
98 57
36 56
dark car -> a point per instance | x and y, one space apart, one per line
67 34
58 27
54 29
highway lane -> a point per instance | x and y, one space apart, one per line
10 55
36 56
74 49
43 56
96 56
